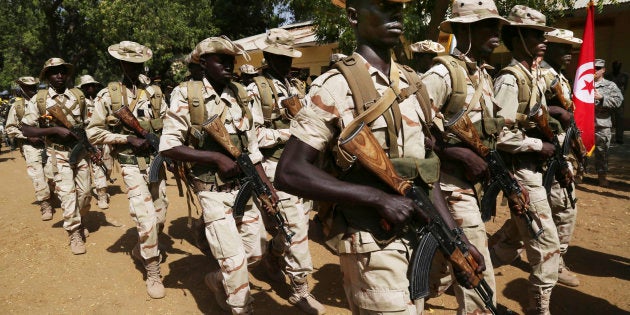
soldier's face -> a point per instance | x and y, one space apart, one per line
90 89
535 41
131 69
28 90
217 67
280 64
558 54
485 36
57 76
378 22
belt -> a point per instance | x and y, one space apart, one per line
132 159
60 147
199 185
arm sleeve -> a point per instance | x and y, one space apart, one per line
98 130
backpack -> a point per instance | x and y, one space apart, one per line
78 94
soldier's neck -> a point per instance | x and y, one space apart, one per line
377 57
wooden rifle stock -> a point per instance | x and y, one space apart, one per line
215 128
57 113
541 118
466 132
292 105
127 117
558 94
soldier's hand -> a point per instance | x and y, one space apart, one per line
395 210
598 96
227 168
467 278
63 133
564 177
547 150
476 167
35 140
138 143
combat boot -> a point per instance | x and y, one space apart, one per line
46 209
603 181
77 243
565 276
303 299
214 281
155 288
103 198
539 302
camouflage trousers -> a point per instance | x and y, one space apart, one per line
235 244
374 279
462 203
602 144
564 215
297 255
39 174
72 186
99 177
543 254
147 207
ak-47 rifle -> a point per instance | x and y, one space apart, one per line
292 103
435 234
500 177
128 119
83 144
251 179
575 144
557 165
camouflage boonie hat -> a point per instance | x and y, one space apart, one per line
526 17
470 11
247 69
218 45
27 81
87 79
563 36
279 42
427 46
342 3
54 62
130 51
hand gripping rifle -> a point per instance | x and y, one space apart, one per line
436 234
215 128
500 177
128 119
83 145
557 165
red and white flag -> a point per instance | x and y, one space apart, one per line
584 85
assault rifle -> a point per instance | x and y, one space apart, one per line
83 144
292 103
557 165
251 180
435 234
500 177
128 119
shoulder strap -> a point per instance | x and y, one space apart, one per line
115 95
19 108
80 102
457 99
196 108
242 98
524 86
419 89
156 101
264 91
360 82
41 101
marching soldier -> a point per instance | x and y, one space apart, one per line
423 54
272 93
147 201
519 92
234 242
460 83
72 181
90 88
38 166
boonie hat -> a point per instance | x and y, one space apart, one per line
600 63
218 45
87 79
130 51
527 17
280 42
563 36
27 81
247 69
427 46
470 11
54 62
337 57
342 3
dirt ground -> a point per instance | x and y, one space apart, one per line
39 274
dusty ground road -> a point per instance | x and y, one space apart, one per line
39 274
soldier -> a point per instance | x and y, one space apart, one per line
459 82
608 99
234 242
248 72
423 53
519 89
374 267
38 166
72 181
90 87
147 201
271 120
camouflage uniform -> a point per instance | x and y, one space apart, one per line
233 242
457 190
604 108
375 278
